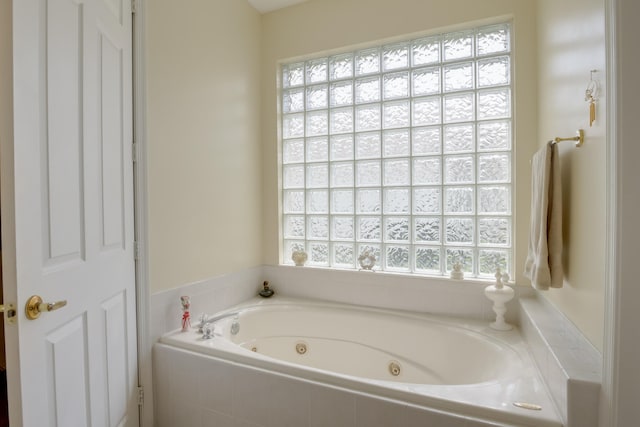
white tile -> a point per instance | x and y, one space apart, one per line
215 419
251 391
186 415
420 417
332 407
288 402
215 384
372 412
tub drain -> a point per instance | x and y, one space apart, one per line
301 348
394 368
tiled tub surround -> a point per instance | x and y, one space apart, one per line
218 382
570 365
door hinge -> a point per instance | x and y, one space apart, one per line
140 396
133 6
134 152
136 251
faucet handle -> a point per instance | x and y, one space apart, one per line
203 321
208 332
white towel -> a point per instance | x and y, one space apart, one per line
544 260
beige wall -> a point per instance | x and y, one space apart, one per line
334 24
204 152
571 42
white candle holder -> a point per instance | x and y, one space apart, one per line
500 294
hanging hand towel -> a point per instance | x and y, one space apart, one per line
544 260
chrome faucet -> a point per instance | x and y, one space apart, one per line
206 321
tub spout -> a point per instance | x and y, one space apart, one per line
206 320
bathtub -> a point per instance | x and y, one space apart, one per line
407 366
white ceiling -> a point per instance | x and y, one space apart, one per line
264 6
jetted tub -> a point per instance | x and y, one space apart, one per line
460 369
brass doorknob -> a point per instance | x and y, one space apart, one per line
35 306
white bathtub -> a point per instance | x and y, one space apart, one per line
457 369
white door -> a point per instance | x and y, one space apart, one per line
73 215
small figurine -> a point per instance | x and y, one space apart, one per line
367 261
186 317
266 292
456 272
299 258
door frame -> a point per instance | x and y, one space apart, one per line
141 210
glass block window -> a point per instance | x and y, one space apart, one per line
403 151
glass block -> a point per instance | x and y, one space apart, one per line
317 123
426 111
342 175
342 228
319 253
317 149
290 247
427 171
341 66
368 174
317 227
293 151
494 71
369 228
394 57
292 101
493 39
369 249
458 200
318 201
317 97
367 90
427 259
458 77
494 231
425 51
368 145
426 201
342 201
495 167
293 75
292 126
490 260
395 114
316 71
396 200
396 172
396 229
495 200
341 94
494 104
342 120
427 229
341 147
368 201
395 85
343 255
397 257
426 141
459 231
367 62
493 136
293 202
317 175
459 169
462 256
293 177
294 226
457 46
396 143
459 138
459 108
425 81
367 117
